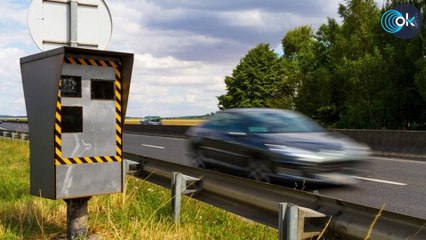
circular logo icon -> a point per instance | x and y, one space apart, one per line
389 20
403 21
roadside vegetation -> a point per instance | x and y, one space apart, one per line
348 73
133 121
14 119
142 212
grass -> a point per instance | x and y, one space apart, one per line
182 122
142 212
133 121
14 119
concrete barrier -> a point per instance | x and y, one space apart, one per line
389 142
166 130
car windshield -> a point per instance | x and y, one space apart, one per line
280 122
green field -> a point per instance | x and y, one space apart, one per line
142 212
20 119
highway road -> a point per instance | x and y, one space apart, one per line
15 127
398 183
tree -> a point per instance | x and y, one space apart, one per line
297 46
404 60
331 92
421 62
361 67
254 80
348 75
300 61
308 70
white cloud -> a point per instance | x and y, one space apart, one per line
247 18
183 49
9 63
161 84
11 93
13 12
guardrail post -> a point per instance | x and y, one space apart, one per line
130 165
182 184
291 222
23 137
6 134
13 136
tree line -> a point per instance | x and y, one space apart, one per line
351 74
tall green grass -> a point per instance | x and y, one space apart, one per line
142 212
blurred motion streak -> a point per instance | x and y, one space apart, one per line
273 145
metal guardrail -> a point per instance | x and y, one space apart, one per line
14 135
260 202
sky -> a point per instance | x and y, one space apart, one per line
183 49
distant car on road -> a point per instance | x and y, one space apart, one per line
151 120
274 145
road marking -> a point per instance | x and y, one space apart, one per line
381 181
152 146
399 160
151 136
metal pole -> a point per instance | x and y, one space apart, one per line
282 208
292 220
74 23
77 218
288 222
23 136
176 194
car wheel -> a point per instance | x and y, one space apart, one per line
259 171
198 159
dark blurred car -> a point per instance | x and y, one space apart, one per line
151 120
271 144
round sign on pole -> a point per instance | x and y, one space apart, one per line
76 23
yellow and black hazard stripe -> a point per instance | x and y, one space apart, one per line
58 131
59 160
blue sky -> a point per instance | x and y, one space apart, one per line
183 48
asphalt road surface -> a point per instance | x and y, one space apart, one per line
14 127
398 184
